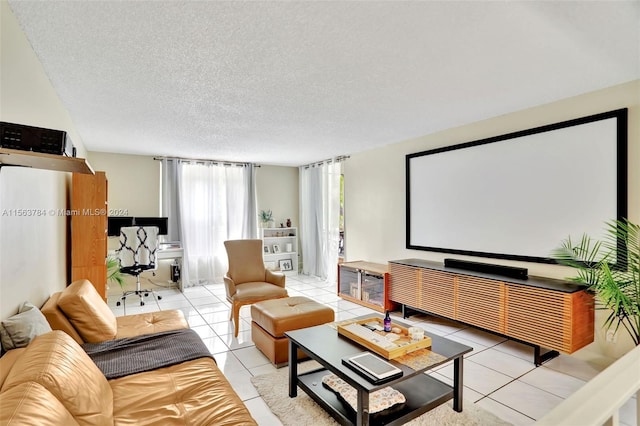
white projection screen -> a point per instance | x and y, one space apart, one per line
517 196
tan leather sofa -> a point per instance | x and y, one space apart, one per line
80 312
54 382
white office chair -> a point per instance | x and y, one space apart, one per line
137 253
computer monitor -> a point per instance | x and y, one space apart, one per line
114 223
161 222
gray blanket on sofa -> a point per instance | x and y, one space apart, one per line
131 355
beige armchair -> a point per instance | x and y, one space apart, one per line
247 280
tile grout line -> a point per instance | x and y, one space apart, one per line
506 406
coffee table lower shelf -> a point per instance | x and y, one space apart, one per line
422 393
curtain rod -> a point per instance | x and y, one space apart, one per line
338 159
204 161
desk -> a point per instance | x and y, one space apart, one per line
172 252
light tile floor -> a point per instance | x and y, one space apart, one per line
499 375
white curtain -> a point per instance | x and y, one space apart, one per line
217 202
169 203
319 219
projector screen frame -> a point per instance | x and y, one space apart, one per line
621 116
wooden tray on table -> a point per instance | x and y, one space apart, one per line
404 342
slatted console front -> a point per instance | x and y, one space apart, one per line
542 312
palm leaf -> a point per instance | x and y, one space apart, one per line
113 271
618 288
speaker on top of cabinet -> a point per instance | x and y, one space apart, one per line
488 268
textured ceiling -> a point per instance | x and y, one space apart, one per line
289 83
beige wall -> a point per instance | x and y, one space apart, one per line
33 249
375 179
134 190
277 190
134 186
134 182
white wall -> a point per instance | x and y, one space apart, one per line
33 249
375 181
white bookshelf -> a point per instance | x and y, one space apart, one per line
279 245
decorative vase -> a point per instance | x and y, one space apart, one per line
288 223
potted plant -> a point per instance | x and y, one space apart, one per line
113 271
617 289
266 218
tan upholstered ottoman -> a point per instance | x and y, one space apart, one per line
270 319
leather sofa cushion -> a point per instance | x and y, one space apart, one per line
6 363
31 404
57 319
291 313
88 313
56 362
151 322
194 393
126 326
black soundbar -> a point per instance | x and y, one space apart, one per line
488 268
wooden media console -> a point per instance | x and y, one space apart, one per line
542 312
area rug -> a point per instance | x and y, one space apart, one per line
303 411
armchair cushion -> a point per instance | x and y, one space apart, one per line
88 313
258 291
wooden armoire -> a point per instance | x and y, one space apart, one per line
89 229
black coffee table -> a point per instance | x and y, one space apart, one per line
422 392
